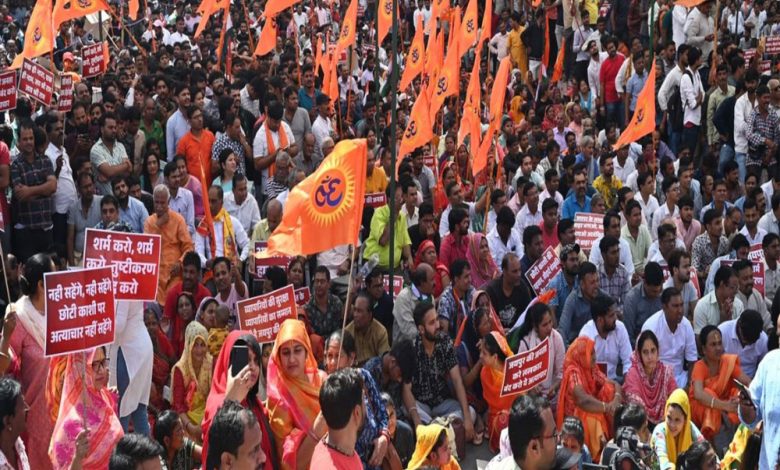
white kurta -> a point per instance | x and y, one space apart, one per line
132 337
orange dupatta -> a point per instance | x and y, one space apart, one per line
269 138
492 380
709 419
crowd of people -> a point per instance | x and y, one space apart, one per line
662 332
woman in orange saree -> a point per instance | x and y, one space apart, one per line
293 396
587 394
712 391
493 353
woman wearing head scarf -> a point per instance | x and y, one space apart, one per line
191 380
493 353
483 268
293 389
676 433
649 381
426 253
448 175
432 449
242 388
538 326
587 394
85 405
185 313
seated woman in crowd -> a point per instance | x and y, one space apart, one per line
296 274
207 313
440 195
538 326
649 382
181 453
426 253
483 267
164 358
274 278
712 391
403 442
374 440
185 313
700 456
676 433
13 423
432 449
493 353
293 389
243 388
587 394
228 164
87 426
191 380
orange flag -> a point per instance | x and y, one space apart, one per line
455 21
468 28
268 36
348 28
385 22
317 56
325 209
415 58
133 12
434 55
487 23
481 156
419 131
208 8
274 7
558 69
497 97
470 123
446 83
439 9
65 10
39 36
643 121
546 54
332 89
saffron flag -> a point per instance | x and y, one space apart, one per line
487 22
208 8
348 28
419 131
468 28
133 12
446 83
643 121
470 123
274 7
332 90
385 22
689 3
268 36
481 155
558 68
498 93
434 55
65 10
39 36
439 9
317 55
415 58
546 54
325 209
455 20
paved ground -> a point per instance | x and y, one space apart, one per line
473 454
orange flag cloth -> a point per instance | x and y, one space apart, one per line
419 131
643 121
65 10
446 83
385 22
39 36
325 209
348 28
274 7
208 8
487 22
497 97
133 12
268 36
468 28
470 123
415 58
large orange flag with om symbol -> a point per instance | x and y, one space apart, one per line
325 209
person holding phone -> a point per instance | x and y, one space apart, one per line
761 404
237 376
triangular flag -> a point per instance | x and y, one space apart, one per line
268 37
643 121
419 131
39 35
487 24
446 83
497 98
348 28
546 54
65 10
385 23
208 8
439 9
468 28
434 55
133 12
470 123
274 7
558 68
415 58
455 20
317 56
325 209
332 90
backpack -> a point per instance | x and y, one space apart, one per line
675 109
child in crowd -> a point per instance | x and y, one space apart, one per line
218 334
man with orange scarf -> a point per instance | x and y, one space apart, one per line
273 136
226 237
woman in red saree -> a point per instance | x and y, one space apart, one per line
293 396
426 253
164 358
493 353
483 268
587 394
712 391
440 199
85 400
243 389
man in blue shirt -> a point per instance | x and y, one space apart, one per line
307 94
579 200
565 281
576 310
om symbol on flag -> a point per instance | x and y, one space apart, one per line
411 131
441 85
330 192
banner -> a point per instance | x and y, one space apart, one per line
264 314
262 264
93 62
588 228
758 272
376 200
398 285
302 296
772 45
134 259
527 369
7 90
65 100
36 82
79 310
544 270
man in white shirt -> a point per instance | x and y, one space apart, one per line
322 127
743 108
750 297
66 194
612 229
499 43
700 28
692 96
237 249
241 205
594 66
347 83
179 35
530 213
745 338
178 125
323 14
671 189
721 304
300 17
676 342
181 200
679 16
669 84
265 151
581 36
423 12
610 335
770 222
502 238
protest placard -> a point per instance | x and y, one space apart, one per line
756 252
376 200
79 310
264 314
93 62
543 270
398 285
588 227
430 162
36 82
772 45
7 90
527 369
134 259
65 101
302 296
262 264
758 272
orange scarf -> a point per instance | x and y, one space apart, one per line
272 147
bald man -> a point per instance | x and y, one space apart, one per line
420 290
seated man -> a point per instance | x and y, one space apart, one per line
230 287
226 237
745 338
235 439
370 336
325 310
420 290
378 242
456 299
577 309
721 304
612 343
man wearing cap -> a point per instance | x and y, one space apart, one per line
321 127
272 137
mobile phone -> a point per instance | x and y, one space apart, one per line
744 391
239 358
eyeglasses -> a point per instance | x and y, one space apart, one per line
555 435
